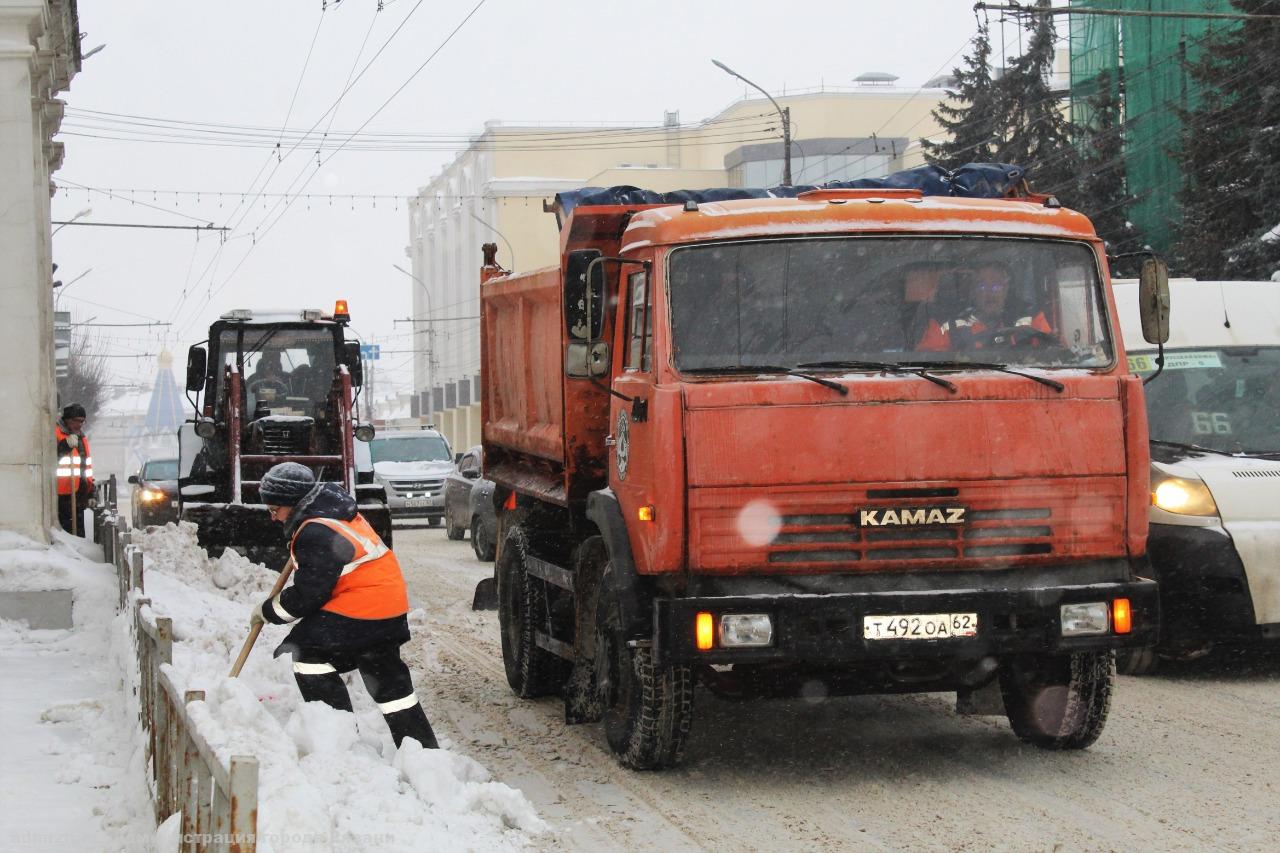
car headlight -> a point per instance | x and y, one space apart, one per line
151 495
1181 495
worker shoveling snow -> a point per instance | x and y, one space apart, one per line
329 780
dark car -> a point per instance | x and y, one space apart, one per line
468 505
155 492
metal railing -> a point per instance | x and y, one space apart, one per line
218 801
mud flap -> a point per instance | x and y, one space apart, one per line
486 595
985 701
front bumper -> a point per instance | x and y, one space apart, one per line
826 629
429 507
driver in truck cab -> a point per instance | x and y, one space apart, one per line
988 314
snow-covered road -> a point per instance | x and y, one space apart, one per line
1188 759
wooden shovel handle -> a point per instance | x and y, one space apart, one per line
257 628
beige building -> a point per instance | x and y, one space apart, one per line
495 189
39 54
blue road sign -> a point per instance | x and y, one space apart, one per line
372 352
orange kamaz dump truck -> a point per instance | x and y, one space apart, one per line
851 441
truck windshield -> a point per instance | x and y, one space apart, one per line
1221 399
826 301
285 371
416 448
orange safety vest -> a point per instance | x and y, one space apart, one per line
371 586
74 468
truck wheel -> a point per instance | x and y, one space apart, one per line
480 544
1139 661
648 709
1059 701
522 607
453 531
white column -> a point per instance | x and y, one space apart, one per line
26 341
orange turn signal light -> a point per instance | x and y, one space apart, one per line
1121 616
705 631
510 502
645 513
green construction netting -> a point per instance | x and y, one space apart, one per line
1149 55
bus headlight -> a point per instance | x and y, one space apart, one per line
1181 495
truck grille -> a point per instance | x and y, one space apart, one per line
282 440
427 488
818 530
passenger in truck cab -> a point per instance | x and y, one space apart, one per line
989 313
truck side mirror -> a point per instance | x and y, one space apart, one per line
579 302
355 364
197 361
133 479
1153 300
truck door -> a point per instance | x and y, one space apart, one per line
632 466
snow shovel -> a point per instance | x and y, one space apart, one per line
257 628
486 595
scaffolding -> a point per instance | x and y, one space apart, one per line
1147 60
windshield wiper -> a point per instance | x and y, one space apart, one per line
887 367
991 365
1196 447
772 368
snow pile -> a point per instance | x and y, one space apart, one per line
74 772
328 780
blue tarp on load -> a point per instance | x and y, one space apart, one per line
973 180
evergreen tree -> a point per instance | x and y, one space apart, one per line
1037 134
970 115
1230 153
1103 194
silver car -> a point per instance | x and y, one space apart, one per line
412 466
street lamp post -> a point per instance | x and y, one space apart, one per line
431 337
783 112
82 213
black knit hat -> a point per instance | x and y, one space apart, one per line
286 484
75 410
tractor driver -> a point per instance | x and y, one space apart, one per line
987 321
268 380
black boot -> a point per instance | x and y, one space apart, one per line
411 722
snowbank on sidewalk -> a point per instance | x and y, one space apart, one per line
328 780
74 775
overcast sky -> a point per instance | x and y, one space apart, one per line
240 62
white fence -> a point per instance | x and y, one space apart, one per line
218 801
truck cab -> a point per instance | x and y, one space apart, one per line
852 441
1214 413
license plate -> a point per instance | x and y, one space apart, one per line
919 626
417 502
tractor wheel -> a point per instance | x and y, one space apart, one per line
648 708
532 671
1059 701
453 531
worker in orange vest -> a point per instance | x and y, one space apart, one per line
348 597
75 468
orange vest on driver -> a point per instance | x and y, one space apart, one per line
371 586
74 467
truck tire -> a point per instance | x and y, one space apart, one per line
480 544
1139 661
522 606
1059 701
648 708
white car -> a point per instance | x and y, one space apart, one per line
412 465
1214 414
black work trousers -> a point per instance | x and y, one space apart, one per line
319 676
64 512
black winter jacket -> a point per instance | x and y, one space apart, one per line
319 554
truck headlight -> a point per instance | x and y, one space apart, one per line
206 428
365 432
1079 620
746 630
1181 495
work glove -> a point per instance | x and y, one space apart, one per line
256 617
73 440
92 503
